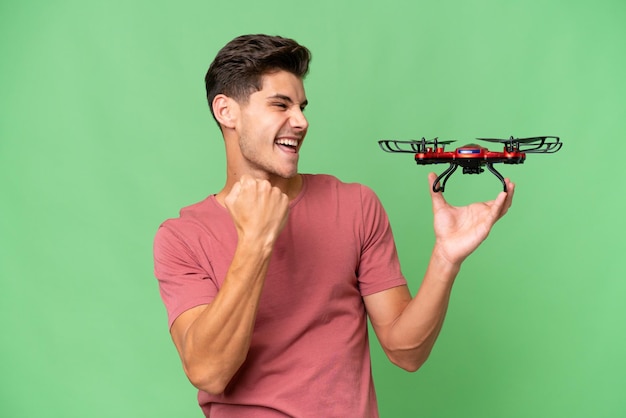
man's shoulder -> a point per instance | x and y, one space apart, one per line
207 205
327 182
195 215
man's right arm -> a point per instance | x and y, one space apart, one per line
213 340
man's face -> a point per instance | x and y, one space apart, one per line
271 126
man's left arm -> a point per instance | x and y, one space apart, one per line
407 327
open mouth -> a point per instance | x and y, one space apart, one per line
290 145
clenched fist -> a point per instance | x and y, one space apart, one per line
258 209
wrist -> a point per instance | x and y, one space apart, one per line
255 246
441 260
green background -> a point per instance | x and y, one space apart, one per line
105 132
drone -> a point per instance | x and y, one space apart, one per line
472 157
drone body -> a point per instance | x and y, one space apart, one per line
472 157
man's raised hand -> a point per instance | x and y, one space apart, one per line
460 230
258 209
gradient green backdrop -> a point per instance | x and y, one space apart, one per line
104 133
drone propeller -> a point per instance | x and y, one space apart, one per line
435 142
412 146
536 144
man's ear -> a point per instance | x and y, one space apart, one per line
225 110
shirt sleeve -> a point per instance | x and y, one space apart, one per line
379 266
183 283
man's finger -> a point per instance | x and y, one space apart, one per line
437 198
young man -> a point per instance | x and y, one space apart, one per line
269 283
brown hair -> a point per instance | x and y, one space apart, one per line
239 66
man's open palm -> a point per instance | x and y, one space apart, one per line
460 230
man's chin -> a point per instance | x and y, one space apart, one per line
289 173
288 176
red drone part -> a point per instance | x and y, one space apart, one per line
472 157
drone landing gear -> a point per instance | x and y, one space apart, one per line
445 175
440 186
497 174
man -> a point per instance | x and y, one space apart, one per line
269 283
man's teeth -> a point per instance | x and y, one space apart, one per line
288 142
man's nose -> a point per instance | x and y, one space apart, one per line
298 120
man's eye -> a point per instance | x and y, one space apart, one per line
281 105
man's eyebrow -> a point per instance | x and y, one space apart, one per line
286 99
